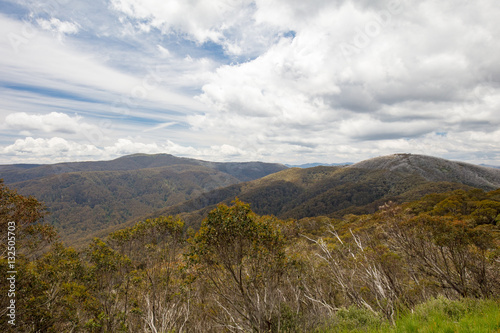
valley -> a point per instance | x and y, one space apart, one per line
88 199
195 246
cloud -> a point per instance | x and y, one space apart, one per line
49 123
405 76
48 150
368 128
45 82
230 24
57 149
58 27
277 80
203 21
35 59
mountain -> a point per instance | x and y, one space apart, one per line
436 169
85 197
92 198
334 191
242 171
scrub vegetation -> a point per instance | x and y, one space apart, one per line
429 265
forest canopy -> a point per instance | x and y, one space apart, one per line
243 272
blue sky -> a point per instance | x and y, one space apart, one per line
236 80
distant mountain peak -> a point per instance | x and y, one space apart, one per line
244 171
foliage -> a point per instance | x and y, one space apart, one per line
353 319
243 257
319 191
20 223
85 198
26 212
428 265
435 315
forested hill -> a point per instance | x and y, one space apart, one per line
431 263
242 171
335 191
86 197
436 169
92 198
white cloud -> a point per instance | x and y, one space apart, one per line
49 123
202 20
316 80
40 150
32 58
57 149
58 27
230 23
407 76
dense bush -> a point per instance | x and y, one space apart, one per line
426 266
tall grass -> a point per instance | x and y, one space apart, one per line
444 315
437 315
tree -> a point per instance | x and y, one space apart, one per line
109 282
22 216
22 238
242 258
455 255
154 247
54 296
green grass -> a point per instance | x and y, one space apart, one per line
437 315
443 315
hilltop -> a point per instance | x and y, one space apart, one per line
436 169
86 197
242 171
92 198
338 190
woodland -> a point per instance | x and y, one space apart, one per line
245 272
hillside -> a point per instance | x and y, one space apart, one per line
335 191
431 263
109 195
86 197
242 171
436 169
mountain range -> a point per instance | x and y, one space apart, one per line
352 189
85 197
242 171
93 198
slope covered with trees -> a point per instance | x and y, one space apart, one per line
336 191
243 272
243 171
84 204
86 197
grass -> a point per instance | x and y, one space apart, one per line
437 315
443 315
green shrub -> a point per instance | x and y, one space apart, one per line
352 319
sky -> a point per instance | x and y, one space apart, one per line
287 81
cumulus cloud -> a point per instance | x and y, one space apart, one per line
359 71
278 80
205 20
48 150
49 123
230 24
57 149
